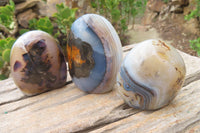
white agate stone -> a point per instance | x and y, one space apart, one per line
151 75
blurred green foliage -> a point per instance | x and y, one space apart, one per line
7 23
43 24
6 15
5 48
166 1
195 44
64 17
194 13
120 12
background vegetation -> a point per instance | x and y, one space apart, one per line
120 13
195 44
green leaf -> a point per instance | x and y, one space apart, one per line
22 31
6 55
57 34
2 77
4 17
7 14
10 42
1 62
124 25
12 4
43 24
93 4
32 23
64 31
195 13
166 1
195 45
59 7
64 17
6 10
115 15
133 12
2 44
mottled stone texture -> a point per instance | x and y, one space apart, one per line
23 18
173 11
155 5
25 5
4 2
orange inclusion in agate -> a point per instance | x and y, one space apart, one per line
74 55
